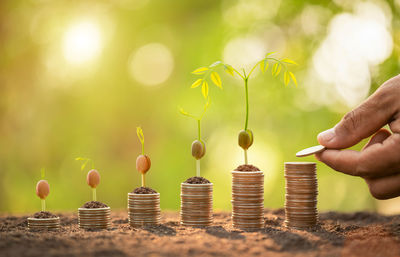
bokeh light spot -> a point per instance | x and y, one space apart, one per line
356 42
244 52
82 42
151 64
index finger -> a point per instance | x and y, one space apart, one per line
345 161
377 160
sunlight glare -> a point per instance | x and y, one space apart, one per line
82 42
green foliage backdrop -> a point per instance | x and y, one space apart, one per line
52 111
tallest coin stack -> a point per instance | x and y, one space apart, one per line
301 194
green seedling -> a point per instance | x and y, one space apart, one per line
143 162
42 189
93 176
198 146
246 137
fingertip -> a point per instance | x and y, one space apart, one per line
326 136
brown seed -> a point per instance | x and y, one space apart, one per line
198 149
245 139
93 178
42 189
143 163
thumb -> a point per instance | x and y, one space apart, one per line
360 123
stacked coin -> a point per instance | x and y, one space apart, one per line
144 209
248 199
196 204
52 224
301 194
94 218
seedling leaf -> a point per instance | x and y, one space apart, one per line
204 89
287 60
274 69
87 160
200 70
268 54
229 69
293 78
197 83
183 112
140 135
216 79
278 69
84 165
215 64
42 172
286 78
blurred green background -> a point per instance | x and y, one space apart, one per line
77 77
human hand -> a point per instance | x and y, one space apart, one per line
379 161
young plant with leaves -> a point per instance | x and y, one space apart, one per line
143 162
42 189
93 176
198 145
279 66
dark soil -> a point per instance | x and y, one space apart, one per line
44 215
337 234
144 190
197 180
94 205
247 167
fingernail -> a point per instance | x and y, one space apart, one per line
326 135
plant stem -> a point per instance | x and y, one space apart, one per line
245 157
199 130
247 102
94 196
143 181
197 168
43 205
142 149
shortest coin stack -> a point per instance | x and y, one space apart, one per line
94 218
248 199
144 209
196 204
301 194
48 223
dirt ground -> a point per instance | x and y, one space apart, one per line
338 234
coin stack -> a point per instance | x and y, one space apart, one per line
94 218
52 224
196 204
248 199
301 194
144 209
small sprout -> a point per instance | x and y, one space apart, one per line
43 190
143 162
198 146
279 66
198 149
93 176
